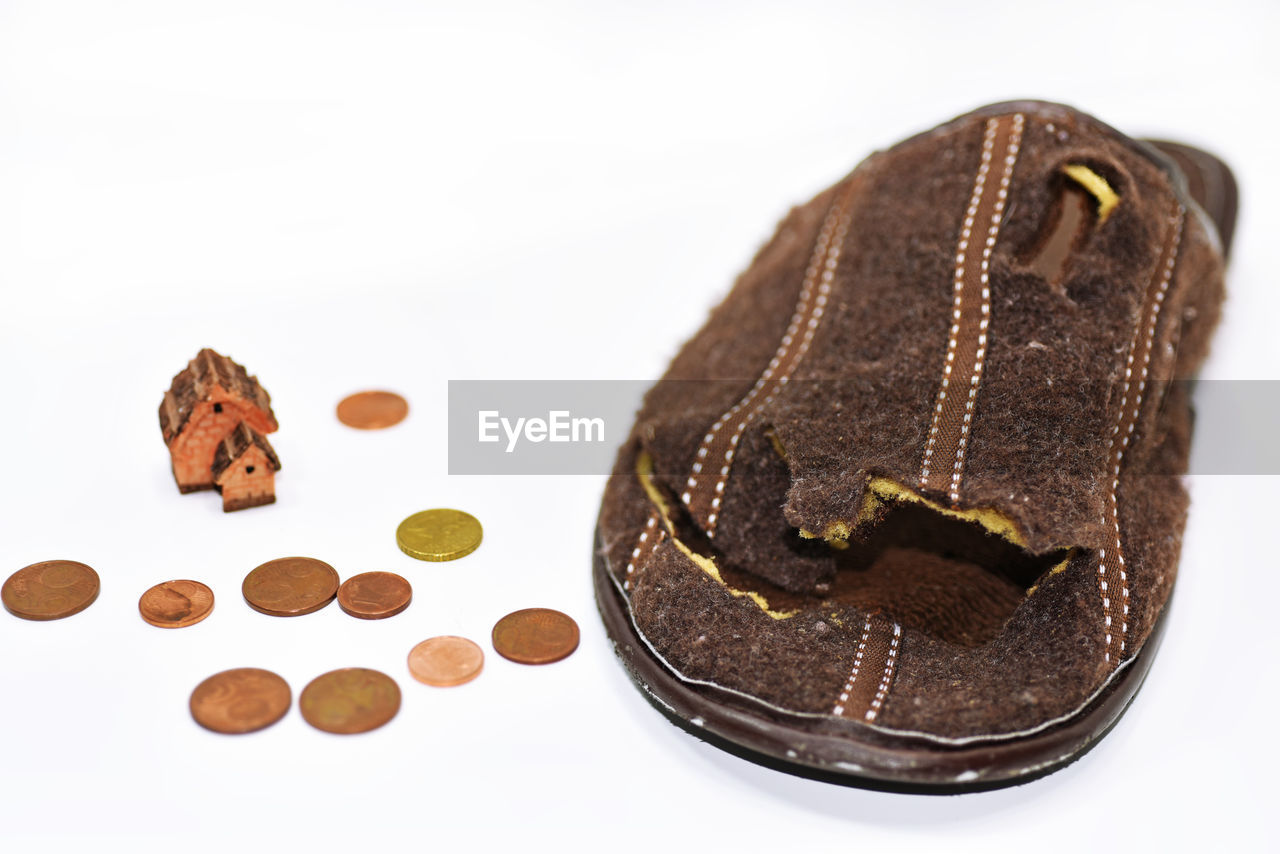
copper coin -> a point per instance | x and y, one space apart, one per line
240 700
374 595
176 604
351 700
535 636
290 586
446 661
372 410
50 590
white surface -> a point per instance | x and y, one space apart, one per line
356 194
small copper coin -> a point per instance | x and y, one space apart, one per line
176 604
50 590
439 534
446 661
535 636
290 586
374 595
240 700
351 700
372 410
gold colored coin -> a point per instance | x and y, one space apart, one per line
535 636
290 586
372 410
176 604
446 661
50 590
440 534
350 700
240 700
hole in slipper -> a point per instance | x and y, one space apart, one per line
1085 201
942 572
949 578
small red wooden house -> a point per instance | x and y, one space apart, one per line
207 403
244 469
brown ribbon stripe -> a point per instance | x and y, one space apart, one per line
943 462
1111 565
875 661
652 534
705 487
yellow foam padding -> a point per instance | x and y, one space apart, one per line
776 442
1097 187
881 490
1058 567
644 471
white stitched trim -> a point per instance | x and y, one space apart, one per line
921 734
966 232
821 271
962 260
979 358
1166 276
888 674
649 527
838 711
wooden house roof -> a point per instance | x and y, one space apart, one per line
238 441
207 371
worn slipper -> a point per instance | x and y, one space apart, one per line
905 512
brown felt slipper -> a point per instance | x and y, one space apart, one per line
906 511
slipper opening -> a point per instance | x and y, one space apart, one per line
948 577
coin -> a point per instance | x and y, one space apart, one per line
290 586
535 636
50 590
351 700
240 700
439 534
446 661
176 604
374 595
372 410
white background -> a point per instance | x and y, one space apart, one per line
345 195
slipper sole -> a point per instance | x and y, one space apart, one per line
869 757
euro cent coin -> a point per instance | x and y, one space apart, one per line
439 534
535 636
446 661
350 700
50 590
373 410
240 700
374 595
290 586
176 604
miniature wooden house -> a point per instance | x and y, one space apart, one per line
207 403
244 469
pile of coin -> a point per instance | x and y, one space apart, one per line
446 661
50 590
373 410
290 586
176 604
439 534
240 700
535 636
346 701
